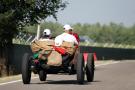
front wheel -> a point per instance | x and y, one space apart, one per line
26 72
42 75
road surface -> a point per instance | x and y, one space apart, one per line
114 76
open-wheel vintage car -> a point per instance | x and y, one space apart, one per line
50 59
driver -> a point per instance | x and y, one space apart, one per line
66 36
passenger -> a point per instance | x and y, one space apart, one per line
46 43
46 35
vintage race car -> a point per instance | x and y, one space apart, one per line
49 59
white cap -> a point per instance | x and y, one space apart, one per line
47 32
67 27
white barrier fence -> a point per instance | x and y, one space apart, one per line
110 45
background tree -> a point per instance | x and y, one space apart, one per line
106 33
29 12
15 14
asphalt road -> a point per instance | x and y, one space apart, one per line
116 76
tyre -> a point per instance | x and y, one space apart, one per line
90 68
26 72
42 75
80 69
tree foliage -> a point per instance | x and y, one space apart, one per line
7 28
15 14
31 11
111 33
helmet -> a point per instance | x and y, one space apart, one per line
47 32
67 27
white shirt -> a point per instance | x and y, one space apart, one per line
65 37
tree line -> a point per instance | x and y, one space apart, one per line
107 33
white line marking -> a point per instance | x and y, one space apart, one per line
107 63
37 77
10 82
14 81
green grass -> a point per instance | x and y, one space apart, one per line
109 45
